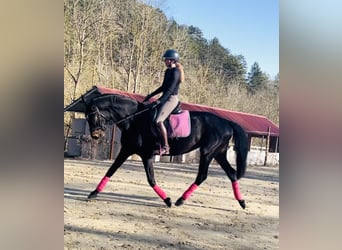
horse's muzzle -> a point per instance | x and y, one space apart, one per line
96 134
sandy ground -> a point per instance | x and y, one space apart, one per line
129 215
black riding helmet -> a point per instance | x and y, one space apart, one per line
171 54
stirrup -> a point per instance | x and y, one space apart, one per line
165 150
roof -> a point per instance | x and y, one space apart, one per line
254 125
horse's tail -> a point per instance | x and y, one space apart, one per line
241 149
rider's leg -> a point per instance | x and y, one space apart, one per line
165 142
165 111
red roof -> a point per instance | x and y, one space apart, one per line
255 125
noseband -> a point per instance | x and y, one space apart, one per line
98 114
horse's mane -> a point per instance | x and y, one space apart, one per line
109 99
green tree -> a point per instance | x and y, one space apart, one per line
257 80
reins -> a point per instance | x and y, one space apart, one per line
151 106
132 115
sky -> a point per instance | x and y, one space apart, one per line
244 27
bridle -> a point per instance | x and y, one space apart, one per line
98 113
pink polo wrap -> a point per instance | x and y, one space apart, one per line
160 192
189 191
102 184
236 190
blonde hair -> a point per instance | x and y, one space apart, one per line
180 67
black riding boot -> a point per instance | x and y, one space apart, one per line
165 144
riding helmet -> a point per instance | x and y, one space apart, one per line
171 54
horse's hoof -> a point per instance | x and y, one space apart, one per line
242 203
93 194
179 202
168 202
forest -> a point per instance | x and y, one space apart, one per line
119 44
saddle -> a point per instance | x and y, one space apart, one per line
178 122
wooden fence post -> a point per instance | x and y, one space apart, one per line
267 144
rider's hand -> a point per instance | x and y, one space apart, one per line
155 104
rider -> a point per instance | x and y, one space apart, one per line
173 76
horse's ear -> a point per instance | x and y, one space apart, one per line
84 100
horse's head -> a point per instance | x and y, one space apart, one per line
106 109
96 121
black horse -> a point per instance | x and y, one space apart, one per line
210 133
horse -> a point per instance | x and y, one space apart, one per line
209 133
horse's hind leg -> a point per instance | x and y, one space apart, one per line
148 165
117 163
201 177
231 173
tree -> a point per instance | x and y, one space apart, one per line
257 80
140 44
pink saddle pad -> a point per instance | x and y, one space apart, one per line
180 124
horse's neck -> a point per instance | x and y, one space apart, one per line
124 106
118 107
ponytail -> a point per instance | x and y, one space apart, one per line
180 67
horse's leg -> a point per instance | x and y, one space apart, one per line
148 165
121 158
231 173
201 177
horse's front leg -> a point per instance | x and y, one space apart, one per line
122 157
148 165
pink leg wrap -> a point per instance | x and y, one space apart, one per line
190 190
236 190
102 184
160 192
